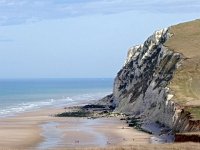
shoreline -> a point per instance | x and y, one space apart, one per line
27 131
41 130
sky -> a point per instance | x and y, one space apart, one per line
80 38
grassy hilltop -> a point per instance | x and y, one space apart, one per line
186 82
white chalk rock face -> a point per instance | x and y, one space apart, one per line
140 87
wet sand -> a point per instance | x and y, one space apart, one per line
40 130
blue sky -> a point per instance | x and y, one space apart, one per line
79 38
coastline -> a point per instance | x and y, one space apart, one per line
27 131
41 130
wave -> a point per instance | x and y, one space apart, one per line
64 101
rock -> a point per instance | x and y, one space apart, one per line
144 86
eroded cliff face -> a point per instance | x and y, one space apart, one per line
141 87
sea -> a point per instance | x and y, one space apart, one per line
20 95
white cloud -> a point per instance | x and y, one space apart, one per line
21 11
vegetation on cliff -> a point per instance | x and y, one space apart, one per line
185 84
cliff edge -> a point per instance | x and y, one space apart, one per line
160 80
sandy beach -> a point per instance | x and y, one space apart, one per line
38 129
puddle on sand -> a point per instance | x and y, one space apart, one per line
54 136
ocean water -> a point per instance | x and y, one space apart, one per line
19 95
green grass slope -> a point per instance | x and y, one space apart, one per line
186 82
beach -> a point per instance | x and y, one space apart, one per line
40 129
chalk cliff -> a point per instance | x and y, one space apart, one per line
160 80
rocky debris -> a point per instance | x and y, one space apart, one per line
108 101
91 111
